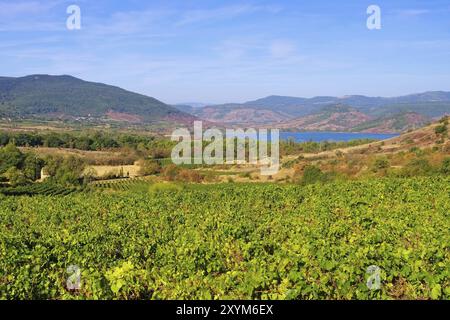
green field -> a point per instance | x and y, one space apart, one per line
230 241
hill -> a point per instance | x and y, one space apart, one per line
68 98
340 117
337 117
373 114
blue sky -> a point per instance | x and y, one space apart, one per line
233 51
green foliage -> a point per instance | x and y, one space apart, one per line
313 174
380 164
17 167
291 147
149 167
46 188
43 96
444 120
417 151
417 167
90 141
441 129
65 170
446 166
158 188
15 177
10 156
231 241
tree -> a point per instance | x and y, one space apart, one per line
15 177
10 156
65 171
32 166
4 139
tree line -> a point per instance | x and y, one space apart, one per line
21 168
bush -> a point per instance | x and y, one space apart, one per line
170 172
380 164
175 173
313 174
441 129
417 167
246 175
149 167
446 166
186 175
417 151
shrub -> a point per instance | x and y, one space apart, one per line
312 174
417 167
186 175
446 166
380 164
246 175
417 151
175 173
170 172
441 129
149 167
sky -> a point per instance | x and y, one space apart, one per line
233 51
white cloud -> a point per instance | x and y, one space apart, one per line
223 13
239 48
282 49
12 9
130 22
412 12
30 16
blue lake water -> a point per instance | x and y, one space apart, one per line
332 136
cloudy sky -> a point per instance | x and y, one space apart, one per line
232 51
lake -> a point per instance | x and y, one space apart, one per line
332 136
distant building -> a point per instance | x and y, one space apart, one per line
44 175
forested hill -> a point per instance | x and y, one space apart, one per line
66 97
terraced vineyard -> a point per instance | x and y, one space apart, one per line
39 189
230 241
120 184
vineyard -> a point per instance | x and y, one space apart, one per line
121 184
47 189
231 241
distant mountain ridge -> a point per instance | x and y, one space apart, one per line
375 114
67 97
47 97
